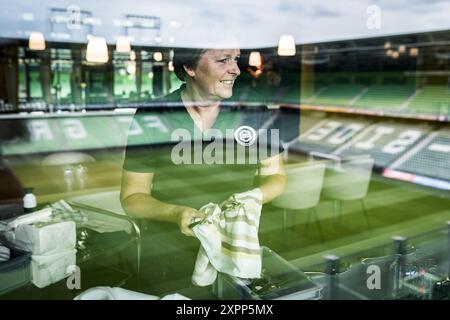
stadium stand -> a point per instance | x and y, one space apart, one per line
385 97
422 150
432 160
432 99
338 94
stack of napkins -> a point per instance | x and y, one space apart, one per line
41 238
50 268
52 245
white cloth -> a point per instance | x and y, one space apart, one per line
41 215
113 293
229 239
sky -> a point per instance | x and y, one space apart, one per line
251 23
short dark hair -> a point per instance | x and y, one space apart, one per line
188 58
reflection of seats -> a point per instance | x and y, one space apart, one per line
73 170
62 158
303 187
349 182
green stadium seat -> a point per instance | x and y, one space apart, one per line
338 94
385 97
431 99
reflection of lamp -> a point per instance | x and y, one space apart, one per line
131 67
395 54
286 45
123 44
157 56
402 48
387 45
97 50
132 55
170 66
36 41
413 52
254 59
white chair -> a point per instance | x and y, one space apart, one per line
303 188
349 182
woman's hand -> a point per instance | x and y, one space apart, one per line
187 216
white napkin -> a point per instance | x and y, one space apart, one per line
114 293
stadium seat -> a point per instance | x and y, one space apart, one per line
431 99
388 97
338 94
303 187
349 182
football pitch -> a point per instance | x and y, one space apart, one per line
393 207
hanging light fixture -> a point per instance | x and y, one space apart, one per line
413 52
157 56
97 50
123 44
254 59
36 41
286 45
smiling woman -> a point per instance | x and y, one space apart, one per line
156 186
213 77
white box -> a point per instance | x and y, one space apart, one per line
51 268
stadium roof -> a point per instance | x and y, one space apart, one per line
202 22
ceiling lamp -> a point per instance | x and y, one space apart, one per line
254 59
414 52
97 50
123 44
157 56
286 46
36 41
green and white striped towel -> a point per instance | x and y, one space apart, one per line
229 239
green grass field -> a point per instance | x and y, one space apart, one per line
394 208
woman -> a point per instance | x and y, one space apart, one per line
156 187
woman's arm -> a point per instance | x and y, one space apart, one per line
137 201
273 178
